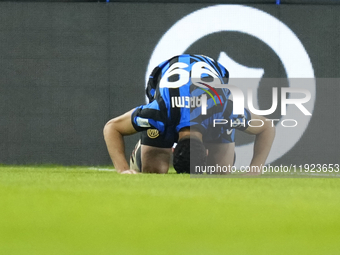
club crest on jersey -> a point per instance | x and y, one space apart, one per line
152 133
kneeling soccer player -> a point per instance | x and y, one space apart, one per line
176 91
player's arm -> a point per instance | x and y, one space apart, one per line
114 131
264 137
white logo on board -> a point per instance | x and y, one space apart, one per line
259 24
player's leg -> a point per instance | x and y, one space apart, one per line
155 152
151 154
155 160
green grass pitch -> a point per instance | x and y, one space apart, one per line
78 210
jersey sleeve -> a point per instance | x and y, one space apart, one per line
148 116
237 121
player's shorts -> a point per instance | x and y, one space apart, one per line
152 137
135 157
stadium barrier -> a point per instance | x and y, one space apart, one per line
67 68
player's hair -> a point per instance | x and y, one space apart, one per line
189 152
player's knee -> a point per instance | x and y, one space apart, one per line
160 169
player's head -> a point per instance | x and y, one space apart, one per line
189 152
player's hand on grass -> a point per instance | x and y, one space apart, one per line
254 171
130 171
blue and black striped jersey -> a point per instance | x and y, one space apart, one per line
182 93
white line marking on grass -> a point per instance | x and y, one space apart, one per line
102 169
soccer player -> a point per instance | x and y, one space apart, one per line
183 104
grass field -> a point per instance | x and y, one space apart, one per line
78 210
